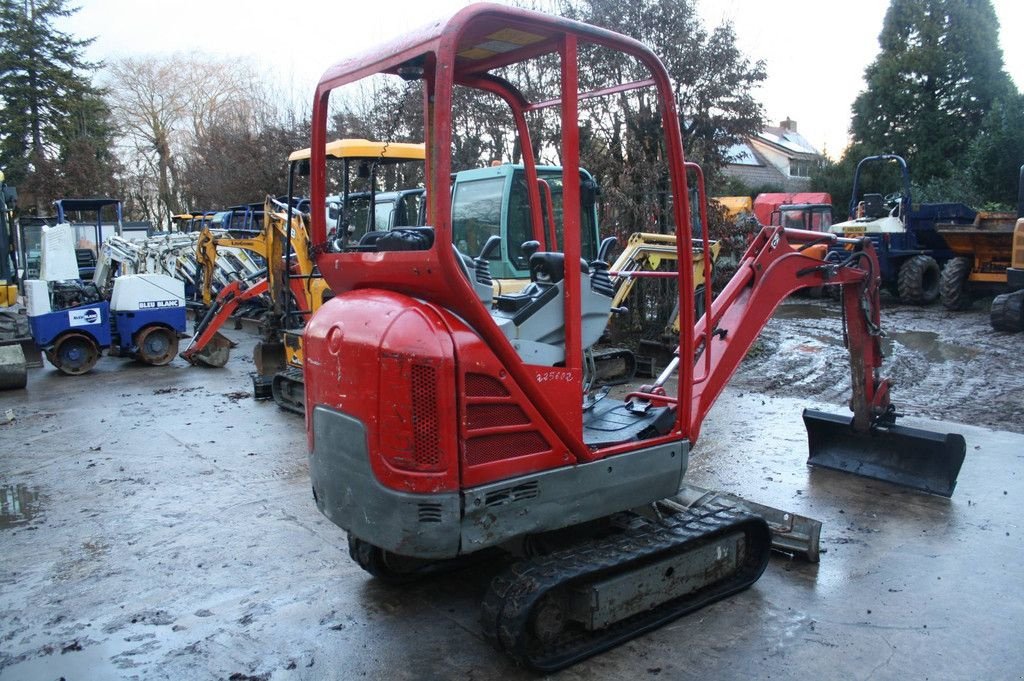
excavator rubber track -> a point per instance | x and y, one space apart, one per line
552 611
288 390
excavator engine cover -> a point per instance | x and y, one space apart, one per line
911 457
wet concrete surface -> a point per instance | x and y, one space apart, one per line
157 523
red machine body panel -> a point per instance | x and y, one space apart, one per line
368 353
438 405
766 204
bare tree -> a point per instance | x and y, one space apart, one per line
165 106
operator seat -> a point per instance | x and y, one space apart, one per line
874 207
534 319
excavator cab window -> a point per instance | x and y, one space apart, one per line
383 212
507 199
476 213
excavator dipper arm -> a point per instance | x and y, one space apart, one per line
869 443
208 346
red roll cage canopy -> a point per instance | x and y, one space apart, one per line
464 50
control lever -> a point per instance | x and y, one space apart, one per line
600 282
605 249
481 264
529 248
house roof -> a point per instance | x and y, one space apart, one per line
742 154
788 140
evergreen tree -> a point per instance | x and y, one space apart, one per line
938 73
995 156
54 129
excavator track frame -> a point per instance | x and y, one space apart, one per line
517 613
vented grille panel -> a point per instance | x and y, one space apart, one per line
509 495
481 385
488 448
426 449
429 513
494 415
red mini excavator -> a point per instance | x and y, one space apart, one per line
443 420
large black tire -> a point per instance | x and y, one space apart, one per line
919 280
953 284
74 354
1007 313
157 345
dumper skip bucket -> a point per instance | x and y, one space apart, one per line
915 458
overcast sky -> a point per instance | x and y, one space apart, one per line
815 50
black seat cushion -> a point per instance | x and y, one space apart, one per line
550 267
399 239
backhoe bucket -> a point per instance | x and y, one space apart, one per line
915 458
269 359
215 353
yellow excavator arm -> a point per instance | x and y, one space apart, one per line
646 251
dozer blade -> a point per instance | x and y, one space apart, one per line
615 366
911 457
214 354
792 533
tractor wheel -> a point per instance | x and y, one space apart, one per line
74 354
953 284
919 280
157 345
1007 313
384 565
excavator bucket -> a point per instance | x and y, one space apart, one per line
269 359
215 353
911 457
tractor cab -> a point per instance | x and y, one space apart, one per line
814 217
875 213
359 174
239 221
391 209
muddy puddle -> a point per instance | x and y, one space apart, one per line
929 344
943 365
18 505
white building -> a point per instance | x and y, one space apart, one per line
776 156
